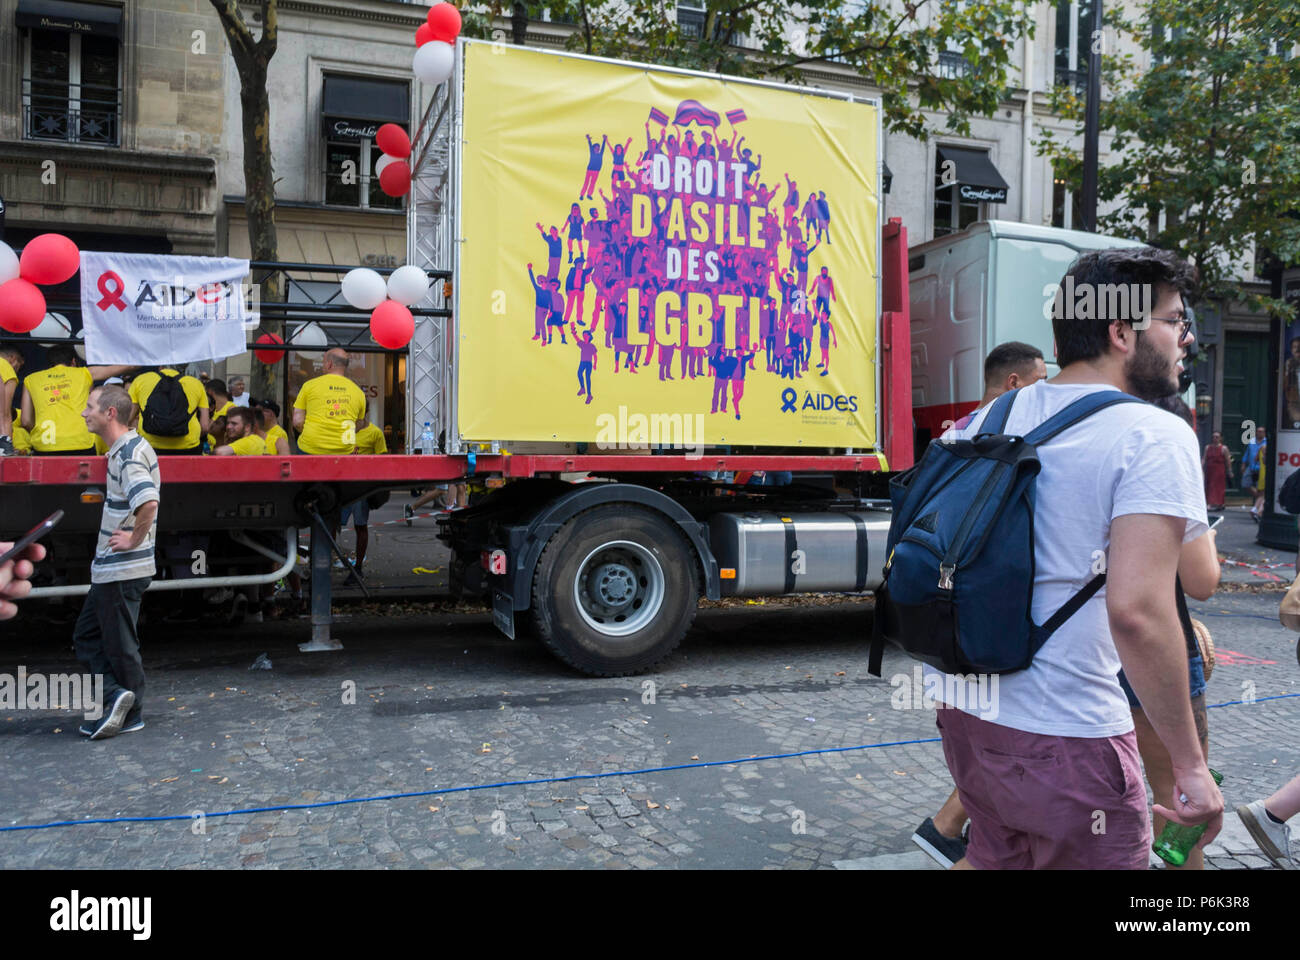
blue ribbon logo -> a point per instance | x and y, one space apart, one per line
788 396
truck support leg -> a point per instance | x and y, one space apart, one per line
321 546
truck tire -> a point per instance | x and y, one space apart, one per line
615 590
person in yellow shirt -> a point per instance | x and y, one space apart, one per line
241 440
219 404
22 442
268 428
328 408
196 398
11 361
370 439
53 399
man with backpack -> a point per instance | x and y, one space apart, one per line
170 411
1003 537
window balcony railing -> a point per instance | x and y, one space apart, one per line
953 65
72 112
1077 79
691 23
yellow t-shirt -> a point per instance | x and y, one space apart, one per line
371 440
59 394
22 442
101 447
6 372
212 441
333 405
250 445
140 389
272 435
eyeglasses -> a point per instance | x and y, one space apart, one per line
1184 322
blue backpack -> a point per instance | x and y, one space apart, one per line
959 580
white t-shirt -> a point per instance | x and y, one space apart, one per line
1126 459
241 400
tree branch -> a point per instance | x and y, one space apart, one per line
270 30
234 26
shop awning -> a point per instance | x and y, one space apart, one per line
977 178
888 176
354 107
97 19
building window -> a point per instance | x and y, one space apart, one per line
1073 44
690 19
353 109
72 88
952 213
1067 207
350 178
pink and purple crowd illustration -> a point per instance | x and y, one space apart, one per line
694 257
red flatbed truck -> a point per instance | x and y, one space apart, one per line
605 570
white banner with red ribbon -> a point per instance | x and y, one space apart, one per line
145 309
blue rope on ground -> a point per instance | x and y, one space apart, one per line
523 783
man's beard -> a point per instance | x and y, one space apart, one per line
1150 376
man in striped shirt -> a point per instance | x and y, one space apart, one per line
105 638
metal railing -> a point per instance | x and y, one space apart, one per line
953 65
1078 79
72 112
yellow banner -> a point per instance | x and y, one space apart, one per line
657 258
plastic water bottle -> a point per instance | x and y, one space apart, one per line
427 443
1176 841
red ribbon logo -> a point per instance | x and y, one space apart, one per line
112 294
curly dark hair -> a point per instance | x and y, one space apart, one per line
1087 338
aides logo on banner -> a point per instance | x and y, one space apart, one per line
817 401
220 300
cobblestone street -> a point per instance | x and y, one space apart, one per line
444 701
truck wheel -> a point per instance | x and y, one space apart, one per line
615 590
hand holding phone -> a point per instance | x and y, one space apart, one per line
16 564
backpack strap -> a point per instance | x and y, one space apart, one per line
1073 605
996 420
1079 410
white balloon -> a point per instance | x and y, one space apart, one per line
308 335
433 61
382 162
364 289
55 326
408 285
8 263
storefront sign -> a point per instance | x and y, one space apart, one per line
984 194
337 129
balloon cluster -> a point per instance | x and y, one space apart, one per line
434 56
48 259
391 323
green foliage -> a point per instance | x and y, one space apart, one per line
894 47
1206 126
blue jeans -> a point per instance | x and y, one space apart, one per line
1195 677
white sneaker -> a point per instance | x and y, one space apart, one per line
1273 838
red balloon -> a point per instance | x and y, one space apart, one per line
50 258
269 356
444 20
423 35
22 305
393 140
395 179
391 325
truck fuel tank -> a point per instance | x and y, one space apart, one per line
766 552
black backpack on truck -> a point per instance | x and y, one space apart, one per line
167 411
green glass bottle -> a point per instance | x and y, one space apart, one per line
1176 841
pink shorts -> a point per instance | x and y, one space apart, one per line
1047 803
